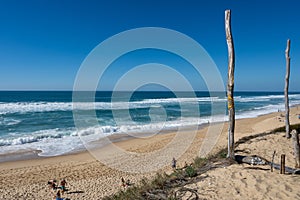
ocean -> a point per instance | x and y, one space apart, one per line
43 121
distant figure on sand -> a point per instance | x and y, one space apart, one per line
58 196
52 184
185 164
128 183
63 184
174 163
123 183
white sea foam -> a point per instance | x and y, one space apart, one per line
258 98
101 131
59 141
56 142
4 121
23 138
270 108
181 100
259 111
25 107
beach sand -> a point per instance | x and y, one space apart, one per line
89 179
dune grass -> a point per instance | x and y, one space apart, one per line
164 186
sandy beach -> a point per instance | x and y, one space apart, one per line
149 100
87 178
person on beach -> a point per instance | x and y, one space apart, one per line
185 164
123 183
58 196
128 183
52 184
174 163
63 184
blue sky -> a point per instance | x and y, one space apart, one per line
43 43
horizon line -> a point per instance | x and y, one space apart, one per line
143 91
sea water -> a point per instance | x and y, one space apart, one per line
44 121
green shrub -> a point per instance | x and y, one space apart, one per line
158 181
222 154
199 162
190 171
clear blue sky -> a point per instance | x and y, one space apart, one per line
43 43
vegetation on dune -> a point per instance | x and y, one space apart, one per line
164 186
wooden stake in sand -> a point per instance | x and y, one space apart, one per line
296 145
282 164
272 163
286 90
230 84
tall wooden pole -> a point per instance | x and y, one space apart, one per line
230 85
286 90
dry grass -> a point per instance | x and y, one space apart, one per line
164 186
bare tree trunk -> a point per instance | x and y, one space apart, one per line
230 84
286 90
295 138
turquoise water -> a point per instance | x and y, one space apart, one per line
44 120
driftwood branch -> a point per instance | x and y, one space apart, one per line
287 169
256 160
182 192
156 196
251 160
230 84
296 145
286 90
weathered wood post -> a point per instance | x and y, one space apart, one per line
230 85
282 164
272 163
286 90
295 138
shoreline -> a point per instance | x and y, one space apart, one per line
114 138
24 152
